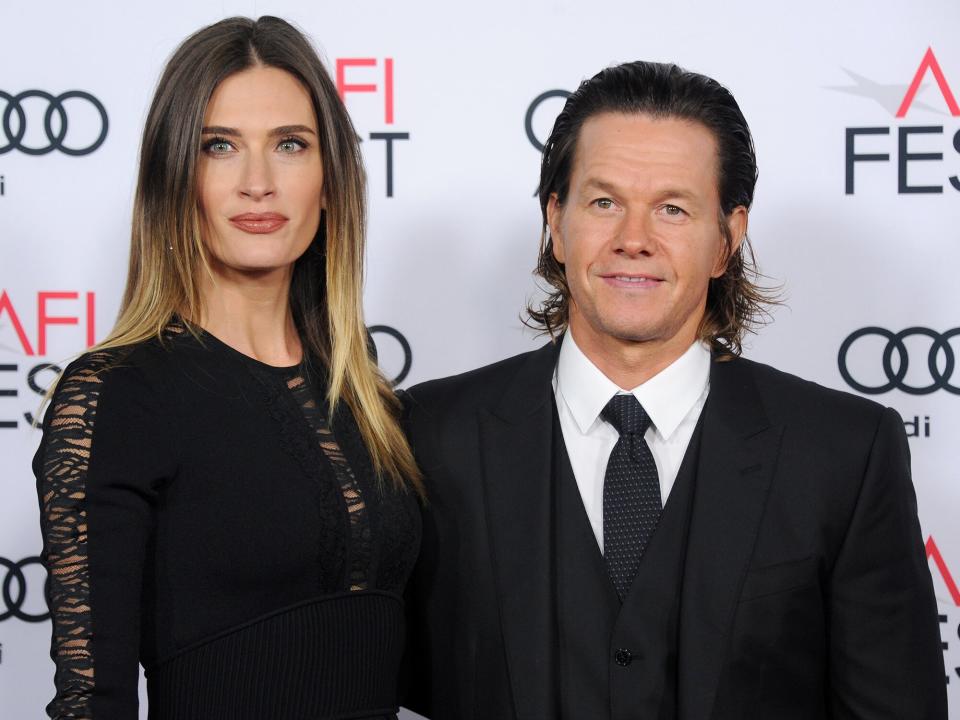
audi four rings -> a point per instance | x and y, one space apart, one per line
13 139
404 345
940 377
14 591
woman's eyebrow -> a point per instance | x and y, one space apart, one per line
234 132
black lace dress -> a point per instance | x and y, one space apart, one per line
202 517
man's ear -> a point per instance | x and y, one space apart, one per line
554 212
736 223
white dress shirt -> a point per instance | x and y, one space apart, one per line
673 398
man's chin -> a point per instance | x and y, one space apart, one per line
626 331
635 337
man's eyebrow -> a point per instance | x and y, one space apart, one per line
662 194
679 193
233 132
601 185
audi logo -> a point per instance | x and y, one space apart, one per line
13 133
940 348
14 591
404 348
534 106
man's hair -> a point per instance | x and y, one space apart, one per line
736 304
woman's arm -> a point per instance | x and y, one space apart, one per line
98 467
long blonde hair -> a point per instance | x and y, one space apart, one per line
167 254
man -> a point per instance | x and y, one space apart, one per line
633 521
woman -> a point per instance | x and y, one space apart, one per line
224 486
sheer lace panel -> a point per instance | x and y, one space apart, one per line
63 496
361 543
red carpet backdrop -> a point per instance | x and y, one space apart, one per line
854 108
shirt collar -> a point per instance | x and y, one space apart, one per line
667 397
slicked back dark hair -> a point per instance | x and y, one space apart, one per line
736 303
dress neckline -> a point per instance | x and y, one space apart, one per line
284 370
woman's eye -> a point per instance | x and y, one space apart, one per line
217 146
291 145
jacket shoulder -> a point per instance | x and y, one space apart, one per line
468 391
788 397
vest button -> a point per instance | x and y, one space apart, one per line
623 657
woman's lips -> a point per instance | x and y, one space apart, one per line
259 223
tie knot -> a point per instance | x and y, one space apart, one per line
627 415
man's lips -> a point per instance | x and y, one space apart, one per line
631 280
259 223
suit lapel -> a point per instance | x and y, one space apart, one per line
516 454
737 460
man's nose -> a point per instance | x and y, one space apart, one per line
634 234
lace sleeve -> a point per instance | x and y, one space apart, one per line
62 488
88 463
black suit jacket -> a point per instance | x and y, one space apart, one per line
806 592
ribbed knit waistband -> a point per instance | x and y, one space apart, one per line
336 657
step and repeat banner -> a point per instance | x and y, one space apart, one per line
854 108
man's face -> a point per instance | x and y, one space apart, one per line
639 232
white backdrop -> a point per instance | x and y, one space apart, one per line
451 251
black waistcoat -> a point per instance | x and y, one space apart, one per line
618 661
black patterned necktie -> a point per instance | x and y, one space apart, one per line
631 492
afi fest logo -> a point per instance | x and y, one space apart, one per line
53 308
933 553
939 568
373 77
912 150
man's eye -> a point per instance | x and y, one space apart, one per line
604 203
673 210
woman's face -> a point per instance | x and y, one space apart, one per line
260 173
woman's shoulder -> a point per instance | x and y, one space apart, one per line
121 396
144 366
116 397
